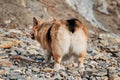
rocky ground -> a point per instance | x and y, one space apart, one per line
22 58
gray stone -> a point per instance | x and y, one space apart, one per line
102 6
117 54
71 78
20 51
101 72
47 75
57 76
12 53
110 38
63 73
35 69
42 74
114 77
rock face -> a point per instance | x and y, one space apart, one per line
95 11
85 7
22 58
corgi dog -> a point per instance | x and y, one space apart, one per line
61 37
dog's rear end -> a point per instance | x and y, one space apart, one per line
70 37
65 37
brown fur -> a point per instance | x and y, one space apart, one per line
49 35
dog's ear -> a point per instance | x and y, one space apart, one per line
35 21
54 20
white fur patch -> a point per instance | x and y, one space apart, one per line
68 42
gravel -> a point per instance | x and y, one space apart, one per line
26 61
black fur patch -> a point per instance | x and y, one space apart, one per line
71 23
48 35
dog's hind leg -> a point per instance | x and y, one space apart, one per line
57 60
81 61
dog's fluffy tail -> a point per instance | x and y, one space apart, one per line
71 23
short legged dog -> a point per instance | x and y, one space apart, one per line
61 37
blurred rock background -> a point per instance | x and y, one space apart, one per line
102 18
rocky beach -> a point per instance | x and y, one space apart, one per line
22 58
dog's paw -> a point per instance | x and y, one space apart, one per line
57 67
81 70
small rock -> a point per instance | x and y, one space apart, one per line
63 74
117 54
92 64
13 77
114 77
35 69
5 63
49 70
101 72
47 75
3 72
28 72
20 51
7 21
98 78
57 76
103 64
41 79
97 56
18 70
23 3
15 31
102 6
105 78
84 79
71 78
111 68
2 79
76 72
32 51
92 78
12 53
42 74
111 37
9 44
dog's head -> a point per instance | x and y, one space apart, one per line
36 26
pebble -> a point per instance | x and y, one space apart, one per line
15 31
110 38
63 74
3 72
114 77
42 74
71 78
13 77
47 75
18 70
12 53
20 51
101 72
105 78
57 76
35 69
7 21
117 54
